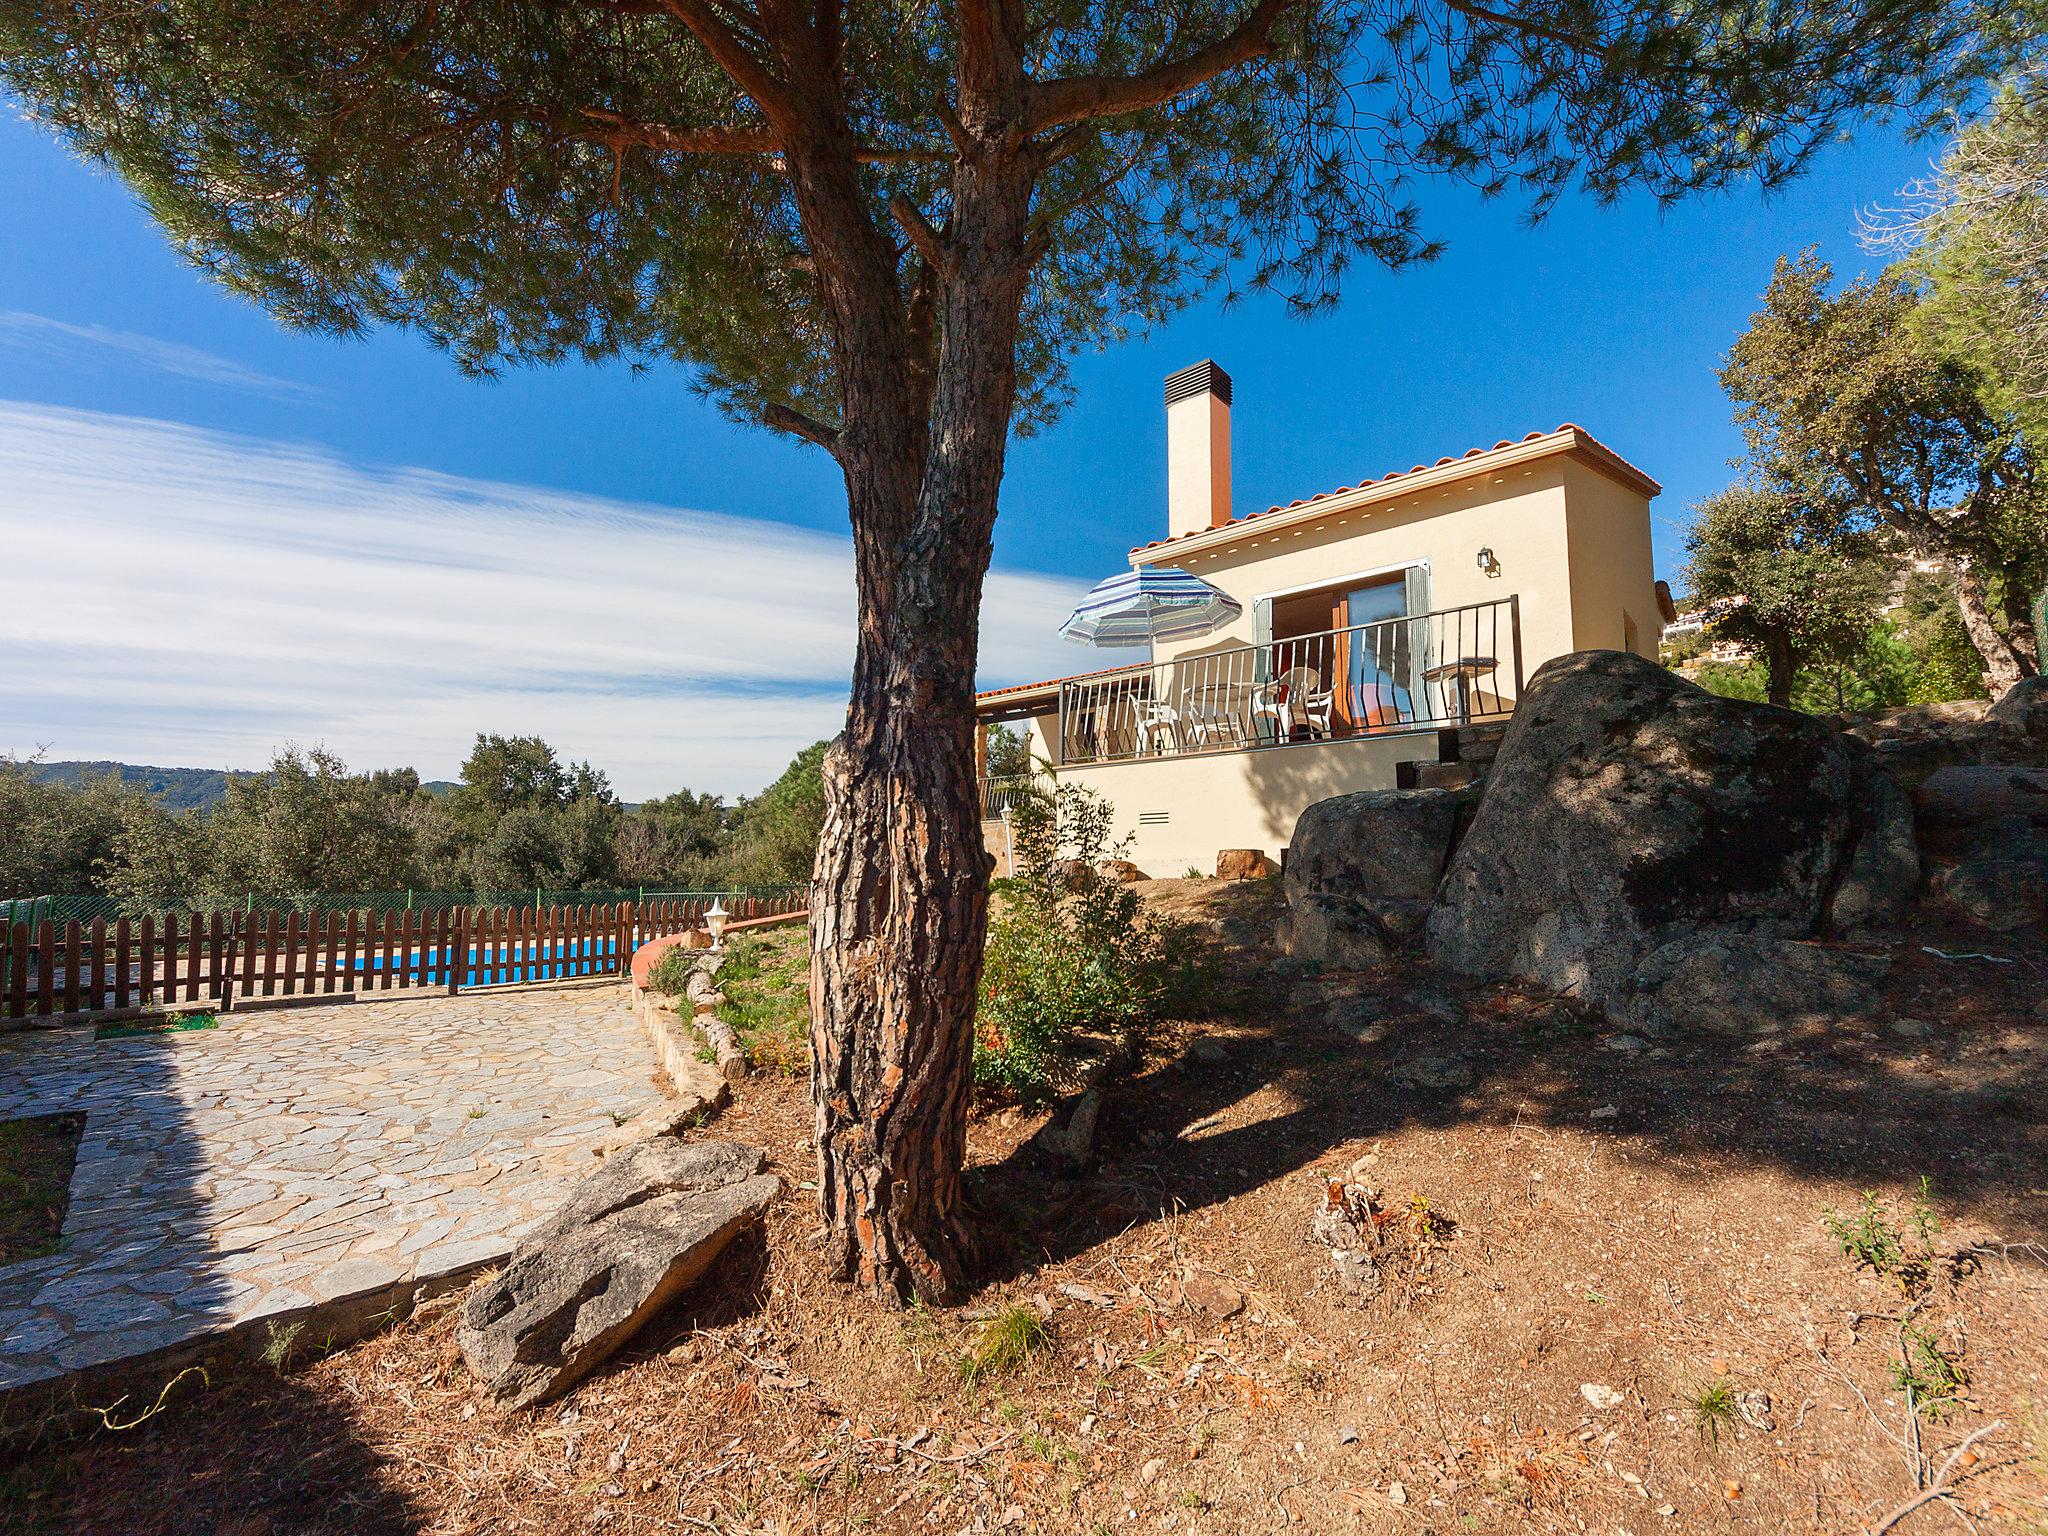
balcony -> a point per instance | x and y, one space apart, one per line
1453 667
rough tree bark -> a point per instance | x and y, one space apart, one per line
2004 664
899 892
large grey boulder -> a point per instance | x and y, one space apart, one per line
1361 870
2024 708
1988 828
629 1240
1629 811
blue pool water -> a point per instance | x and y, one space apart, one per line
501 963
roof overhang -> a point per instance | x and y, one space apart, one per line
1023 700
1567 440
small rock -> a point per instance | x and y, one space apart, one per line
1242 864
1603 1398
1756 1408
1604 1112
1068 1138
1082 1293
1910 1029
1396 1494
1628 1045
1149 1473
1209 1052
1347 1435
1208 1293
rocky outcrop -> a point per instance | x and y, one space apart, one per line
1986 831
629 1240
1920 740
2024 709
1638 832
1361 871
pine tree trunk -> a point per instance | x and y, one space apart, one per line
899 893
2003 665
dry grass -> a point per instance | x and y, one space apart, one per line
1672 1244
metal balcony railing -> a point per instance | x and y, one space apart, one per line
1450 667
1002 792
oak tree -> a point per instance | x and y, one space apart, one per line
1796 583
884 226
1846 402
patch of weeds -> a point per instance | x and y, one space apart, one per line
1190 1499
1867 1236
1426 1225
1934 1379
167 1024
281 1348
1006 1343
1195 873
1713 1410
479 1112
37 1155
1921 1217
1875 1239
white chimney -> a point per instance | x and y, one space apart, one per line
1197 449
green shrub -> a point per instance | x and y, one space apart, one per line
672 971
1073 951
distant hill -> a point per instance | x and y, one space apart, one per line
176 789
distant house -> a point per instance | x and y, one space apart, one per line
1375 617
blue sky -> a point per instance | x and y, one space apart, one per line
168 400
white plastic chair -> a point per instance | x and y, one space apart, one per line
1206 717
1160 722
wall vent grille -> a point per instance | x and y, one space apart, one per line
1154 818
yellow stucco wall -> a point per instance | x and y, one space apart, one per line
1520 514
1613 571
1237 799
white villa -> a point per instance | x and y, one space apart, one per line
1382 624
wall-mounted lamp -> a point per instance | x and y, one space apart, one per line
1487 563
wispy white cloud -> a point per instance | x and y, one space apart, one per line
184 597
25 332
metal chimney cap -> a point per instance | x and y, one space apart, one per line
1202 378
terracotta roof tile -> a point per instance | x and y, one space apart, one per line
1074 677
1593 446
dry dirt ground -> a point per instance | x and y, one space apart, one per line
1611 1305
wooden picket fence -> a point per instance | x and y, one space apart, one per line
58 972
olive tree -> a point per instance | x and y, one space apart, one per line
884 226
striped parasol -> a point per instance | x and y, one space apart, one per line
1140 606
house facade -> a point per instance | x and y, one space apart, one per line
1378 622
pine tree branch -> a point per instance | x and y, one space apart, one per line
1079 97
731 54
929 243
785 419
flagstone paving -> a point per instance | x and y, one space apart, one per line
300 1157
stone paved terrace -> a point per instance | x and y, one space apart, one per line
299 1158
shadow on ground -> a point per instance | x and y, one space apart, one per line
1945 1081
